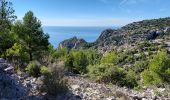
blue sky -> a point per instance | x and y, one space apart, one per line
92 12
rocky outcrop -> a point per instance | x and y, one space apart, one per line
18 87
10 88
138 31
116 38
72 43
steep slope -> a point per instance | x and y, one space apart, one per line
126 36
134 33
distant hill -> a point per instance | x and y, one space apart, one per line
72 43
128 36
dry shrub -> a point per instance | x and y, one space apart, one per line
54 82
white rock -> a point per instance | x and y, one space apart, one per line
33 80
9 69
144 99
74 87
161 89
21 78
111 98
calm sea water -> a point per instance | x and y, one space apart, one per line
58 34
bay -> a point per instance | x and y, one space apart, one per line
59 33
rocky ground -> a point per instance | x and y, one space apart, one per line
87 90
17 87
24 87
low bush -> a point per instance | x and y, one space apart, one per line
151 78
44 70
158 71
140 66
100 73
93 56
60 53
17 56
108 73
76 61
33 68
110 57
131 79
54 82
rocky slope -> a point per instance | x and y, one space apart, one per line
129 35
85 89
18 87
134 33
23 87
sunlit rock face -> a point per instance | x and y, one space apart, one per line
10 88
72 43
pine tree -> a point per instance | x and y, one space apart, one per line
32 36
6 19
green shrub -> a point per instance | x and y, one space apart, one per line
130 59
140 66
151 78
77 61
93 56
33 68
100 73
109 58
158 72
131 79
121 58
106 73
17 51
109 73
60 53
44 70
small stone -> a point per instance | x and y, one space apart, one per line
111 98
9 69
144 99
74 87
33 80
21 78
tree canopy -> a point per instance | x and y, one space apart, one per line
31 35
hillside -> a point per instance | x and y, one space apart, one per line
131 34
134 33
129 63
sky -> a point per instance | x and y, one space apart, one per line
92 12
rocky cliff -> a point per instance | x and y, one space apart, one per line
125 36
72 43
134 33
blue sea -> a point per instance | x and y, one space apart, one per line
58 34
